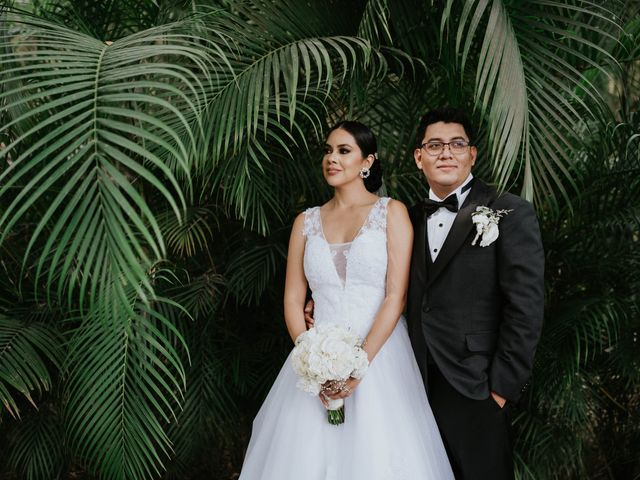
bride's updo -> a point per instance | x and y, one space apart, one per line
366 140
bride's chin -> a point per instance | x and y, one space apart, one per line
332 182
339 182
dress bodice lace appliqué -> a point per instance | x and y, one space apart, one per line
340 254
376 220
347 280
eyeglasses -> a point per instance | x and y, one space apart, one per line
457 147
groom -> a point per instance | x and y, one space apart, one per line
475 302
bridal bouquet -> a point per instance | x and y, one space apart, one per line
324 358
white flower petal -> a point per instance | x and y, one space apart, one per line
490 235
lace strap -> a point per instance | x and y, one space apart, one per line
377 219
312 224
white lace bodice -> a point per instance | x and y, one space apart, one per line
347 290
340 255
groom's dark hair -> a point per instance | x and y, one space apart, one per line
446 115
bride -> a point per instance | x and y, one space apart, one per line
354 253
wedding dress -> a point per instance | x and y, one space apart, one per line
389 431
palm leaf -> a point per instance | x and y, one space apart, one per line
282 75
252 184
585 379
527 76
27 351
37 447
121 116
210 411
107 20
374 25
295 68
126 380
190 236
251 270
199 296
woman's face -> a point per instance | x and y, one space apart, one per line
343 159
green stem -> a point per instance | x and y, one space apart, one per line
336 417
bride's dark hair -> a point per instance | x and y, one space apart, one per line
366 140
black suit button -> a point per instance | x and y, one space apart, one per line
426 309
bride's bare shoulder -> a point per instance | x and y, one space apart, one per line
396 207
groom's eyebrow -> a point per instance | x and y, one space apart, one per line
438 139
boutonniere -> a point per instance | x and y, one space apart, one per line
486 221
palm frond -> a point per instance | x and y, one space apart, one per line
552 448
195 139
27 352
250 271
281 78
527 78
37 449
108 20
126 380
586 373
374 25
186 238
209 411
200 295
290 68
254 182
119 125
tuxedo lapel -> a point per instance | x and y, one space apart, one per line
426 248
480 194
419 245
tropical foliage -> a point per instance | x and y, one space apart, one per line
153 155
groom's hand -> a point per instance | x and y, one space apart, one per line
308 314
498 399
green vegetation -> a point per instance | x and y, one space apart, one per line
153 155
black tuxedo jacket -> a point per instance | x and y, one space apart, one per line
478 310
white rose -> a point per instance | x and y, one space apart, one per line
334 347
490 235
341 368
361 364
308 386
480 220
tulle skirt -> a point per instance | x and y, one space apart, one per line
389 431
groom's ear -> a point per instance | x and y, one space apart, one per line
417 156
473 152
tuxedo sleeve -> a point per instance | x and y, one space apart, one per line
520 262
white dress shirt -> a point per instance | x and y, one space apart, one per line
439 224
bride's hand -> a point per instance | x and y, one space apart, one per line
345 391
350 387
328 388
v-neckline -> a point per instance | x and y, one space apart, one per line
366 219
326 242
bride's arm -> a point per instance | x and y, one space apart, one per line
295 287
399 246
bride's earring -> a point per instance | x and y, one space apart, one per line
365 172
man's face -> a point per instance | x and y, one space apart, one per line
446 170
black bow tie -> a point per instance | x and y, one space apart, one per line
450 203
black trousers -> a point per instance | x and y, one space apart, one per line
476 433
